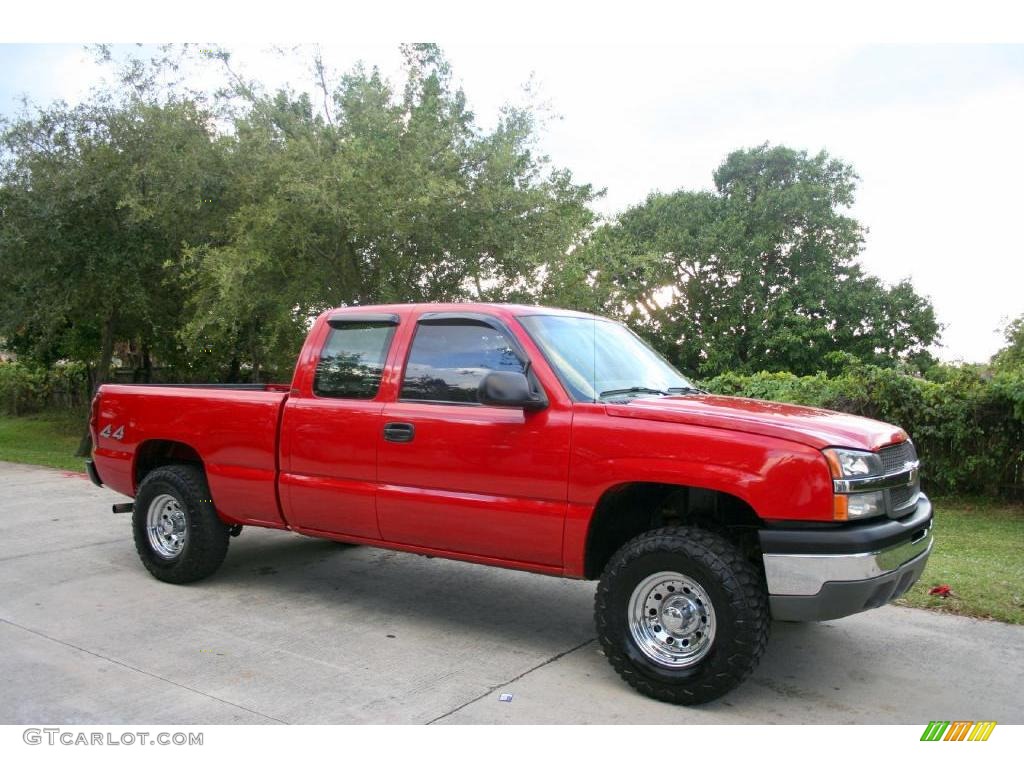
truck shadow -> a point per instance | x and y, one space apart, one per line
393 590
395 596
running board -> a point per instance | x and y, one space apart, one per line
120 509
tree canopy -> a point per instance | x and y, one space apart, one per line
1012 355
387 197
95 200
208 228
760 274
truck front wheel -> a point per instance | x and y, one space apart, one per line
682 615
178 535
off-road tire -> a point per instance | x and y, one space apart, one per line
206 541
738 595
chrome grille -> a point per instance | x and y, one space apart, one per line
895 456
902 497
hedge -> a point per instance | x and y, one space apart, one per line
26 389
967 423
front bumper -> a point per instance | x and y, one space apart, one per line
814 574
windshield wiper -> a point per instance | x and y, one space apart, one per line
652 391
633 391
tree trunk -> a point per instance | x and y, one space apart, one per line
137 367
254 346
102 374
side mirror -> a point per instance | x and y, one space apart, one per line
510 388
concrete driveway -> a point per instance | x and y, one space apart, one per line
296 630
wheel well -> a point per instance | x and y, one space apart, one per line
156 453
628 510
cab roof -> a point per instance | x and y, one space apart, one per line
515 310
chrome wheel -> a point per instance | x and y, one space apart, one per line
166 526
671 619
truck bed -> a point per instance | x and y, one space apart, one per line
233 427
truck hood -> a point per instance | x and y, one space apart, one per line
815 427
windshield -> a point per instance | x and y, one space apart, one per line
598 359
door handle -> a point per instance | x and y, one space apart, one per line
399 432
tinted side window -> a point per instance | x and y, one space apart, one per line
447 361
352 361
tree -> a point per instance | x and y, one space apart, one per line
386 195
95 203
760 274
1012 355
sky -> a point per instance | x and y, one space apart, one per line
934 132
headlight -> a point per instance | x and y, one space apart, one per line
844 464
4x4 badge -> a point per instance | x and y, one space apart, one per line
117 434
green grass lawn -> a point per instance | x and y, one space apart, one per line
979 553
979 544
48 439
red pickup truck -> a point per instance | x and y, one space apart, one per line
541 439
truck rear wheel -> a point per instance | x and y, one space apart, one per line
682 615
178 535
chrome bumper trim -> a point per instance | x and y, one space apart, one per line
905 476
806 574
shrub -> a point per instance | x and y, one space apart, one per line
26 388
68 386
21 388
